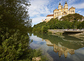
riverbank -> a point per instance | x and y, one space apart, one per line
60 33
79 36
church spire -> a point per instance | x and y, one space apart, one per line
59 3
65 2
59 7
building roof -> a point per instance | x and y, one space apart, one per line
72 8
50 15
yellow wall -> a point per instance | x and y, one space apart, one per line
63 11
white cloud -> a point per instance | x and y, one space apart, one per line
38 7
71 1
38 10
68 1
37 20
79 11
79 6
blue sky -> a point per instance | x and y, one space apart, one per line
39 9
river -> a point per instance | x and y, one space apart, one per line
55 48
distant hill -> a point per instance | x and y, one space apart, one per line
73 17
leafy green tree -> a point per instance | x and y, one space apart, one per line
81 25
14 40
44 29
14 47
13 13
72 17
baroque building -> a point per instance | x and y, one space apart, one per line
61 11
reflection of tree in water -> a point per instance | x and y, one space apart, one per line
69 42
60 49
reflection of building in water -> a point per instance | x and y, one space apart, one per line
42 39
61 50
48 42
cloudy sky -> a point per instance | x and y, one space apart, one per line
39 9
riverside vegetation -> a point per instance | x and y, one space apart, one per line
14 38
71 21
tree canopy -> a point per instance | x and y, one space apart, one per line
72 17
13 14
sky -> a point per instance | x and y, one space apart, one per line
39 9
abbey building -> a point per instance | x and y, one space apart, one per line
61 11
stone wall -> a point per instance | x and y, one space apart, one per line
56 30
74 31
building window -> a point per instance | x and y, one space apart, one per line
72 11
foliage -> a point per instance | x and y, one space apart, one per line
81 25
71 21
72 17
41 27
13 14
14 47
44 29
14 26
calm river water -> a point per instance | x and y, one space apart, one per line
63 48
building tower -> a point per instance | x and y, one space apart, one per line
59 7
60 12
66 7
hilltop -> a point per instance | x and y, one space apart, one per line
71 21
72 17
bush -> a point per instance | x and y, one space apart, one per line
14 47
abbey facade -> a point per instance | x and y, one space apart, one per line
61 11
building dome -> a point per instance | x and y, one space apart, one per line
59 3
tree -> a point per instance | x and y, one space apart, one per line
72 17
44 29
81 25
14 40
13 14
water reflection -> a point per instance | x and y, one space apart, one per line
54 47
60 49
66 41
